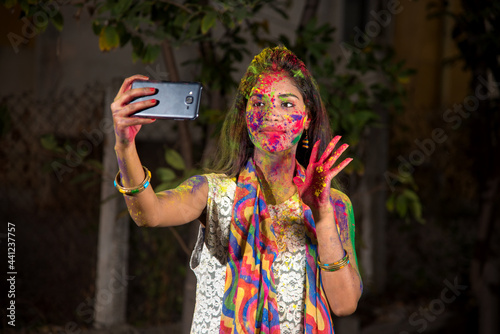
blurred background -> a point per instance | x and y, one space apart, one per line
412 86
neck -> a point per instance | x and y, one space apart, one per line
276 171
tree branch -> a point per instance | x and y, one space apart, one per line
184 135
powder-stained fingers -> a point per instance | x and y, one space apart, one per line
339 167
331 161
314 153
127 83
329 149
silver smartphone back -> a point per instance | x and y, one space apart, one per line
176 100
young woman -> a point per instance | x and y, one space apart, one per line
275 253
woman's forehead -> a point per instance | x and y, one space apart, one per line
273 83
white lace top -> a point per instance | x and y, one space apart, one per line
209 259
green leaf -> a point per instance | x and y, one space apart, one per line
192 31
49 142
122 6
416 210
108 38
174 159
389 204
415 205
181 19
137 48
96 27
9 3
208 21
25 7
151 52
165 174
123 34
401 206
58 21
410 195
227 20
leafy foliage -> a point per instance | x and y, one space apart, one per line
67 154
43 9
172 177
404 200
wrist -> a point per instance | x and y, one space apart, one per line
123 145
322 212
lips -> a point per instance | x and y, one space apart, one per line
272 129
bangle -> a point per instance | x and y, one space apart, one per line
133 190
335 265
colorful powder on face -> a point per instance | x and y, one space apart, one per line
275 103
237 146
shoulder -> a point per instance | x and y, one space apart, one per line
205 180
194 183
216 177
219 184
338 195
341 202
217 180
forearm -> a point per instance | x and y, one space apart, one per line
342 287
143 207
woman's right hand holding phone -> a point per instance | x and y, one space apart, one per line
126 126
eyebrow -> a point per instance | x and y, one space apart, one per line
280 95
288 95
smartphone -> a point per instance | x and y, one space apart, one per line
176 100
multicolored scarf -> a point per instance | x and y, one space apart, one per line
250 292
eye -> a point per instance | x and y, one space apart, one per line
286 104
258 104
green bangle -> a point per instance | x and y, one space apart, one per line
336 265
133 190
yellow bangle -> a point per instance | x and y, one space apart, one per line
336 265
133 190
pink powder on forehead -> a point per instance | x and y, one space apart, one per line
270 78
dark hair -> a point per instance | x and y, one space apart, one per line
235 146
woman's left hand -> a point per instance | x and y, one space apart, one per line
315 189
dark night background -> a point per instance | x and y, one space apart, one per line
411 85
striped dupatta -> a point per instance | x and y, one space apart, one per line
249 303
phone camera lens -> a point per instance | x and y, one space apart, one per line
189 99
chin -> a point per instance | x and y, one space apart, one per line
279 149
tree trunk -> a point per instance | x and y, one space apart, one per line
484 266
373 194
485 273
183 126
189 295
372 207
215 100
485 276
112 257
308 12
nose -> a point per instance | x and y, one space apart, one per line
271 113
